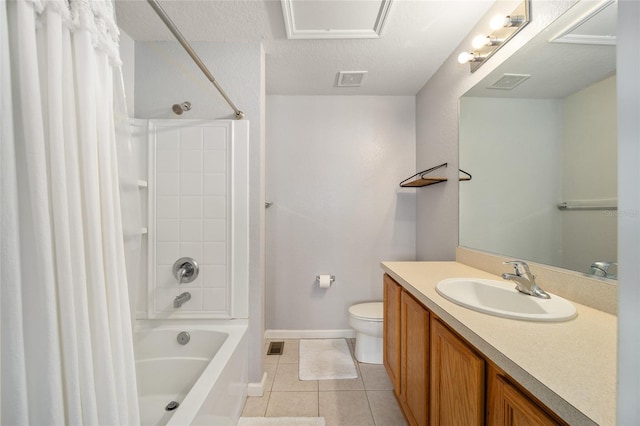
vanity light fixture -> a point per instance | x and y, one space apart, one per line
502 29
500 21
465 57
481 41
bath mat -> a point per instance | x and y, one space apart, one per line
281 421
325 359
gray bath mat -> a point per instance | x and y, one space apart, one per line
326 359
281 421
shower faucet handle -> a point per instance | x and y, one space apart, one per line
186 270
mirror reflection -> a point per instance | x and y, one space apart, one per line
539 136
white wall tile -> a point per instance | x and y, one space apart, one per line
167 161
214 184
214 207
215 138
191 207
215 230
191 161
167 184
167 139
190 184
214 161
215 299
167 230
190 230
214 276
214 254
165 278
167 253
193 250
191 138
168 207
188 223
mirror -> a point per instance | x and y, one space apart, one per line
543 154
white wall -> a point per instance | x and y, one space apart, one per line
166 75
333 168
590 171
509 153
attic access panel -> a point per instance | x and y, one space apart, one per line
330 19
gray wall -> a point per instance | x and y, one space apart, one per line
333 168
629 212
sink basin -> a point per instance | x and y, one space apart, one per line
500 298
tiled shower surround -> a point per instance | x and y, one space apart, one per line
190 189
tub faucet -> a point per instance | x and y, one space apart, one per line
525 280
181 299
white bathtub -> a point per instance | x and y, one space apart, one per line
207 376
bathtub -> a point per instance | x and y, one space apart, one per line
208 376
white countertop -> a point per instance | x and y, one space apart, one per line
569 366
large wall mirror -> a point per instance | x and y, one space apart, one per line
539 136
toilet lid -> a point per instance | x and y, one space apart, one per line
367 311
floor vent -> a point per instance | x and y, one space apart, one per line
275 348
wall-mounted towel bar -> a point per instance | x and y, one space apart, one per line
421 179
606 204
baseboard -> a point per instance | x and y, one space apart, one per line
257 388
309 334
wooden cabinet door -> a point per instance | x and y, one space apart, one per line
508 406
391 331
414 376
457 380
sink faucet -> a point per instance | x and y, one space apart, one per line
181 299
524 279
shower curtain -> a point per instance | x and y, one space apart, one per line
66 349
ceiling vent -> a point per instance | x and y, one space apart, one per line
351 78
509 81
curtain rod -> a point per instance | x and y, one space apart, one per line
185 44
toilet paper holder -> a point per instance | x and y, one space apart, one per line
332 278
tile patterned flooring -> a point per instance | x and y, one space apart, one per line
367 400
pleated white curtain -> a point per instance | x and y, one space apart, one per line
66 344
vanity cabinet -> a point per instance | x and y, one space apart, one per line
509 406
457 379
391 331
414 360
439 378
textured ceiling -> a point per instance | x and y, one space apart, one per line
418 36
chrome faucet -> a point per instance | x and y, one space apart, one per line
181 299
524 279
601 269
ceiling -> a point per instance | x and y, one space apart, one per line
417 37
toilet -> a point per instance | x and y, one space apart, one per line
366 320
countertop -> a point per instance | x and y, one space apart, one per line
569 366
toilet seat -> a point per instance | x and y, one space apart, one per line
372 311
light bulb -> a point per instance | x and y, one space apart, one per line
480 41
498 22
465 57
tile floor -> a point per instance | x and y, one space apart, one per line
366 400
